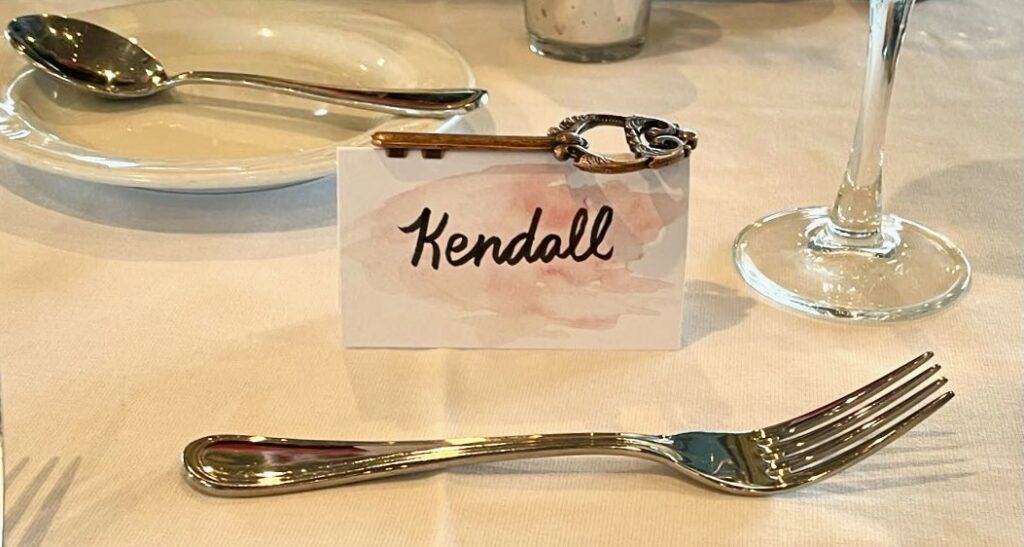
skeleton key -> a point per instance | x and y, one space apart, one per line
653 142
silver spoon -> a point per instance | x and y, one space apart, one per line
98 60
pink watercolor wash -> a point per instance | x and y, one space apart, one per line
505 303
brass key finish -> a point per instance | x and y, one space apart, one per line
653 142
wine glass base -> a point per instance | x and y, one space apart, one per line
920 274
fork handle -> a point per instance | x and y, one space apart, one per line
431 103
238 465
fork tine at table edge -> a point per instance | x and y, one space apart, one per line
827 468
847 437
848 421
822 414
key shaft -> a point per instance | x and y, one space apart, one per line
397 144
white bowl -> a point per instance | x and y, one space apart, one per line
213 138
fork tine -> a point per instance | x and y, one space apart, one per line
816 453
830 467
846 422
821 415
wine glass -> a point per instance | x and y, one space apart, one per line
852 261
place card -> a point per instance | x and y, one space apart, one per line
509 250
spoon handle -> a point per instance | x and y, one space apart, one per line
433 103
237 465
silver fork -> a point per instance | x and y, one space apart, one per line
781 457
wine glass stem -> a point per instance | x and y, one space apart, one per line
856 216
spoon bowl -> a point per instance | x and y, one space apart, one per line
87 55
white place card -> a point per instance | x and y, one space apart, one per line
509 250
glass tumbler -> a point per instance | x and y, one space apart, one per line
587 31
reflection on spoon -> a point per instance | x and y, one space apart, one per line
98 60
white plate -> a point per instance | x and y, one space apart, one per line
210 138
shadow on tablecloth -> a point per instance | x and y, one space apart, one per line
34 532
709 308
674 30
298 207
978 205
141 225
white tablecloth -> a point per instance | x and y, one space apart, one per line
133 322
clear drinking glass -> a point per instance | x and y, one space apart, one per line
587 31
852 261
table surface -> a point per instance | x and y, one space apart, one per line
133 322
